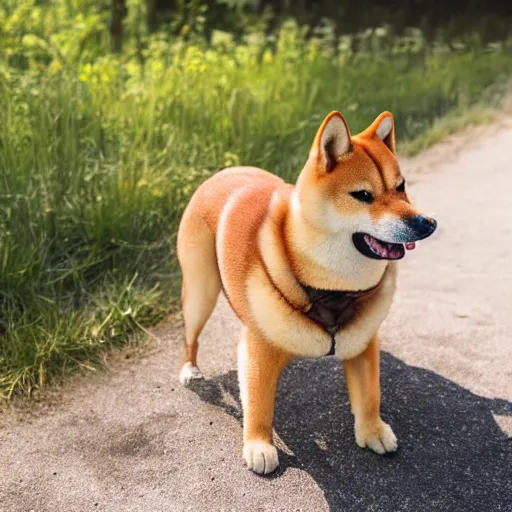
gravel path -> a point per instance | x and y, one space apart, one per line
131 439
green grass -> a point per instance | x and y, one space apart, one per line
99 154
453 122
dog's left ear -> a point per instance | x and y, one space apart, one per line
384 128
332 141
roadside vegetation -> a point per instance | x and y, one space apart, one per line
100 150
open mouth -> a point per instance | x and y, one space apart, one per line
377 249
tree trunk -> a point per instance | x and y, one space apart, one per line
116 27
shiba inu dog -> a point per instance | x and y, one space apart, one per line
309 269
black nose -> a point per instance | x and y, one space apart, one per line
423 226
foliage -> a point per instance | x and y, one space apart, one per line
99 152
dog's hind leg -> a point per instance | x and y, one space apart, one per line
200 289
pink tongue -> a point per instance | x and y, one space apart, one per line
410 246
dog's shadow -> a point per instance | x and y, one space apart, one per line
452 455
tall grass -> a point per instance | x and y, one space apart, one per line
99 154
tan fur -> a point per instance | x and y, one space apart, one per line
259 366
261 238
362 374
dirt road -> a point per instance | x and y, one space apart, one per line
132 439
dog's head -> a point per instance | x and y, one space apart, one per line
352 185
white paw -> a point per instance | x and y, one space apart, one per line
378 437
261 457
189 373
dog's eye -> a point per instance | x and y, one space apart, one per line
401 187
362 195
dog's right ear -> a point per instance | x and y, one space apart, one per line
332 141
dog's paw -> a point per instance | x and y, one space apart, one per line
377 436
190 373
261 457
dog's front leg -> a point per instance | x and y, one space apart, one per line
259 366
363 381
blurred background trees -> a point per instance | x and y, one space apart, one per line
436 18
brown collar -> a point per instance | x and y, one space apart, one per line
332 309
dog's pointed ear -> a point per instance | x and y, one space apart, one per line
332 141
384 128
